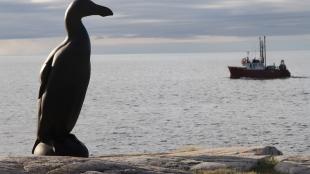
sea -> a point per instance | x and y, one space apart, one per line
145 103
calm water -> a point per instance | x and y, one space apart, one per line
155 103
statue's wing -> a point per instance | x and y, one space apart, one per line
45 73
47 68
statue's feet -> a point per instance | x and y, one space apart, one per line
43 149
68 146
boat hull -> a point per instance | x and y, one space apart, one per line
239 72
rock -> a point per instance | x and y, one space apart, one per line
268 150
294 165
209 166
177 162
92 172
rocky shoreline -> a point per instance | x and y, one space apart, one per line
186 161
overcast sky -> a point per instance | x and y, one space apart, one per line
140 26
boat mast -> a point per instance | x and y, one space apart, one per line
265 54
260 48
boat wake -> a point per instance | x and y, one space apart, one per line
300 77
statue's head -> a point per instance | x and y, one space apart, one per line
83 8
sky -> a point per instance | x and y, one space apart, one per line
34 27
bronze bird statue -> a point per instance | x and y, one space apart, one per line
64 80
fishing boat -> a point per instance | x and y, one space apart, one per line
257 68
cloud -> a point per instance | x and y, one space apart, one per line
43 1
256 5
172 19
152 40
162 18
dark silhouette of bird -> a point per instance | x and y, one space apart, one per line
64 80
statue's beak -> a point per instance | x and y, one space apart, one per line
102 11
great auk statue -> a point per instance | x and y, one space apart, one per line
64 80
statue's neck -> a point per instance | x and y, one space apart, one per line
75 28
